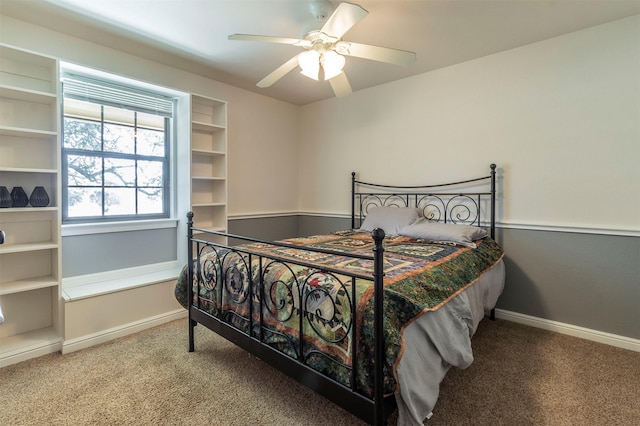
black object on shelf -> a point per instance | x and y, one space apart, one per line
5 198
39 197
19 197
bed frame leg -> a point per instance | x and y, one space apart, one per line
492 315
192 325
190 243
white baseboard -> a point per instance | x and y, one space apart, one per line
83 342
571 330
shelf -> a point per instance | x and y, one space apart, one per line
28 110
207 152
26 271
43 338
27 284
27 170
208 114
28 95
209 139
24 341
20 68
196 232
28 209
208 165
28 150
199 126
208 191
26 133
18 248
208 178
208 227
208 204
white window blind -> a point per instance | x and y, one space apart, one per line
90 90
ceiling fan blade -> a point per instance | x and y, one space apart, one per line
270 39
340 85
279 72
377 53
342 19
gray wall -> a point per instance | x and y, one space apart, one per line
586 280
95 253
269 228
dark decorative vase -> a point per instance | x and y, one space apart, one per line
19 197
5 198
39 197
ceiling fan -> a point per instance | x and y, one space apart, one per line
325 50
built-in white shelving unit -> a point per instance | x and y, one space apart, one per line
209 163
30 259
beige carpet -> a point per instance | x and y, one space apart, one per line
521 376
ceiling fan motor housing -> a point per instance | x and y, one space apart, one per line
321 9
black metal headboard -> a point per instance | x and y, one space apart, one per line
466 202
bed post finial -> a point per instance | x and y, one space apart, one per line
378 294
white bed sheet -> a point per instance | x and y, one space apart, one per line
441 339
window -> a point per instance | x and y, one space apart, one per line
115 151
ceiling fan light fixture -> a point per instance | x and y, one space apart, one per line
325 48
309 62
332 64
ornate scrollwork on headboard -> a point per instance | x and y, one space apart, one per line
467 205
378 200
459 209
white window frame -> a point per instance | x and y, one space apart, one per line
99 227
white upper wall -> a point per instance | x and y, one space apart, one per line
560 118
262 132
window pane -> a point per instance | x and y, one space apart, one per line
119 201
150 200
84 170
84 202
81 134
150 173
119 172
119 138
151 142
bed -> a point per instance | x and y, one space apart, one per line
370 317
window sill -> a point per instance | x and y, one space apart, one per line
108 227
92 285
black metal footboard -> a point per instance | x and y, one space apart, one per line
277 309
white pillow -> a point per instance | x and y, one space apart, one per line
390 219
448 233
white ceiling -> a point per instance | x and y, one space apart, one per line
192 34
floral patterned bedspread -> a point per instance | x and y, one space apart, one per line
420 276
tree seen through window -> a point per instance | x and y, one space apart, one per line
115 162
